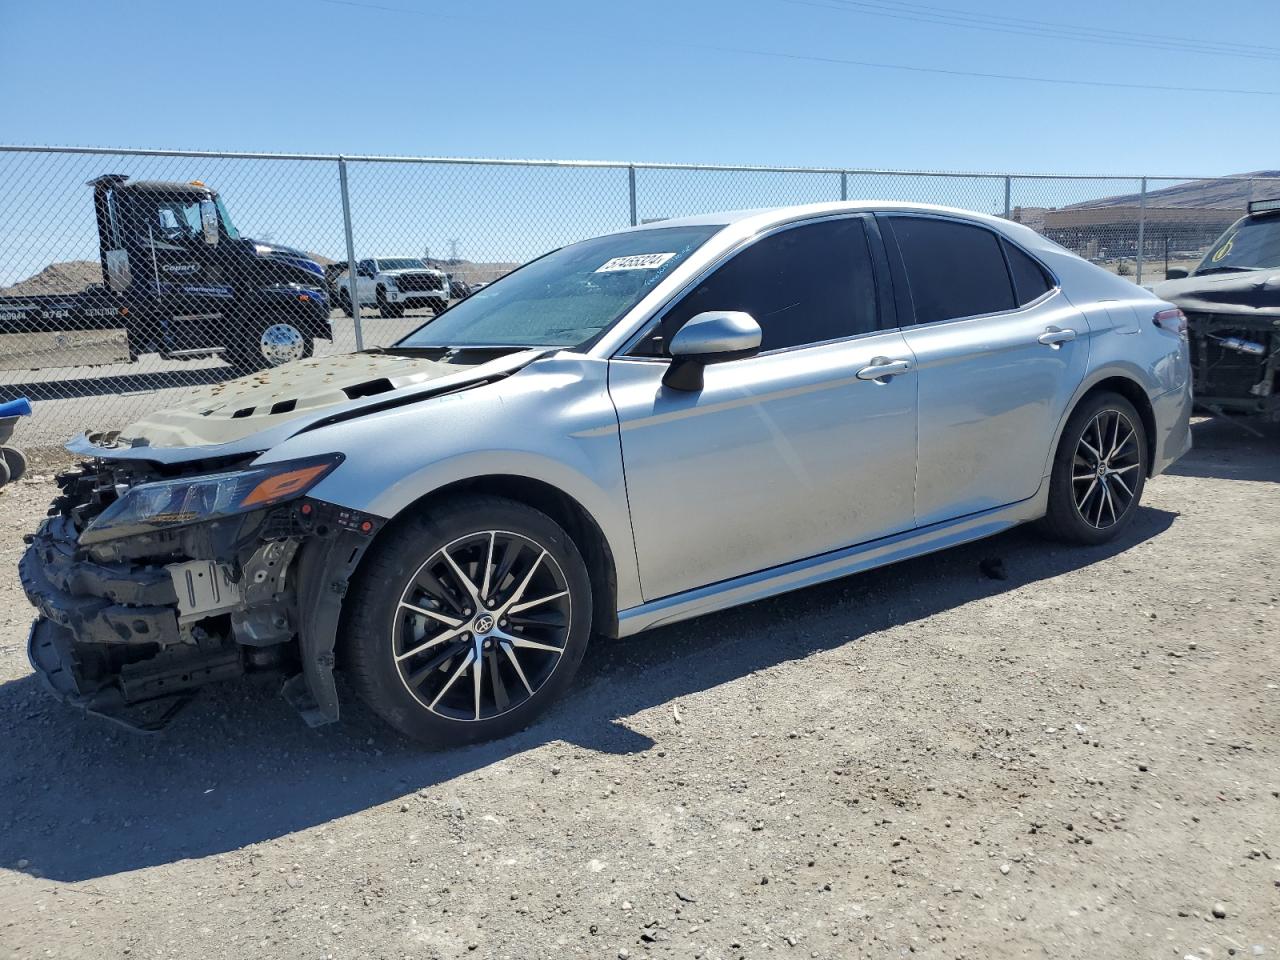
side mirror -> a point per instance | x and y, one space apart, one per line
209 222
716 336
1174 273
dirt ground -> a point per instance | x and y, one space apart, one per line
1081 760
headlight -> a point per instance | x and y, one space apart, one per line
174 503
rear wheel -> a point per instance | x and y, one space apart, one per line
467 622
1099 471
344 301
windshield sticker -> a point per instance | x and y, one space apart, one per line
639 261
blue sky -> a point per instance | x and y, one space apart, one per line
657 80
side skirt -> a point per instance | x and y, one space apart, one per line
831 566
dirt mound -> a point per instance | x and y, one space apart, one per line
70 276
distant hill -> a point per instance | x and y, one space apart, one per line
1231 194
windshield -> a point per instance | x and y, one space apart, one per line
1249 245
400 263
567 297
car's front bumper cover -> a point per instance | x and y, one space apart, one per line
119 634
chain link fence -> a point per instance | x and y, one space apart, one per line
128 277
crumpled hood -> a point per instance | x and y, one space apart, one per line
1253 293
256 412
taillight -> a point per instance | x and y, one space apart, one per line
1174 320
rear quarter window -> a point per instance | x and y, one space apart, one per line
1030 282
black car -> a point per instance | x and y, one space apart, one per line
1232 303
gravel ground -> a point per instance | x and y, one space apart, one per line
1081 760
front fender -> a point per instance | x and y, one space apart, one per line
552 422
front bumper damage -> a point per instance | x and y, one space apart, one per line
128 629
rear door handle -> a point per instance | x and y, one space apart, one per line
882 368
1053 337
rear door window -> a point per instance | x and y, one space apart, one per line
954 269
803 285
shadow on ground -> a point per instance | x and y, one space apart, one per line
81 799
1232 450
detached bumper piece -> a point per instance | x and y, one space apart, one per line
107 639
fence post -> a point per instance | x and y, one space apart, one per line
353 286
844 185
631 190
1008 194
1142 226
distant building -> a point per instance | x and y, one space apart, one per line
1102 233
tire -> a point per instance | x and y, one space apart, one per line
246 355
4 473
431 694
1087 504
344 301
15 462
392 311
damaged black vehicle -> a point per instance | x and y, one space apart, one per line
1232 303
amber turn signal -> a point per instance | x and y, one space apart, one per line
283 485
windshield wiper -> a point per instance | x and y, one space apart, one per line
1225 269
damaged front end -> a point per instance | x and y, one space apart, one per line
152 580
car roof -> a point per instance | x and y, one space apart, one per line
765 216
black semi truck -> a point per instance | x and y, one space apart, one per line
179 280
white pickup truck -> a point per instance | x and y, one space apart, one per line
393 285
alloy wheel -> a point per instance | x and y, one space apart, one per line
482 625
1104 471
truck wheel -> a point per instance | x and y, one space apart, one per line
15 461
390 310
467 620
259 348
344 301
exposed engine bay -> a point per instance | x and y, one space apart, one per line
135 616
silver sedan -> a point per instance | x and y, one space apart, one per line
629 431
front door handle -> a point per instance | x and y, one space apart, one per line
1053 337
882 368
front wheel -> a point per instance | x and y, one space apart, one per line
386 308
1099 471
268 344
468 621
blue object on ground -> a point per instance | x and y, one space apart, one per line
15 408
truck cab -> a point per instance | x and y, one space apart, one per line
189 282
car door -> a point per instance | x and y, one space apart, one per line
366 271
999 353
784 455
